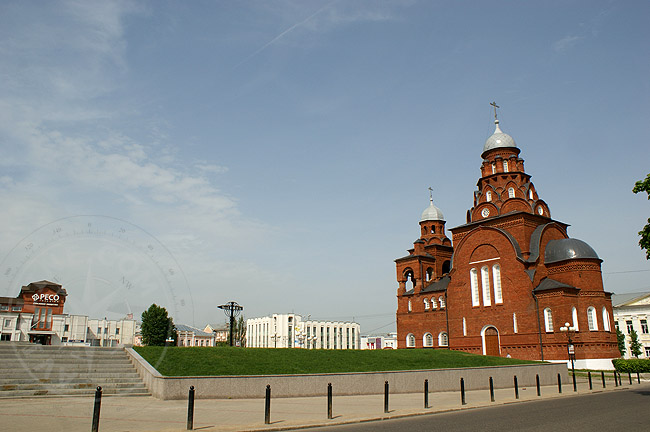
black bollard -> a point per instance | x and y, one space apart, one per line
462 392
539 389
491 390
426 393
329 400
589 375
267 405
386 396
98 405
575 387
638 378
629 375
602 377
190 409
516 388
615 379
559 383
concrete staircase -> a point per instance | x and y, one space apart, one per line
28 370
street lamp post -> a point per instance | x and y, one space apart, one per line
571 350
232 310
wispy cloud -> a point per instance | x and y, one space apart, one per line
566 43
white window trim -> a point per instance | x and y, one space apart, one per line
606 323
574 317
592 318
473 276
426 304
511 192
434 304
548 320
442 336
515 328
410 340
498 291
424 340
485 282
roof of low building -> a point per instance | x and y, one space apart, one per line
438 286
550 284
623 299
190 329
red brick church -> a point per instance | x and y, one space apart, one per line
510 278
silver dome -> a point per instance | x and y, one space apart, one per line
567 249
432 213
498 140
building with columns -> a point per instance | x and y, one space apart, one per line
632 312
291 331
508 279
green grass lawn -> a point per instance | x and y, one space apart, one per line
195 361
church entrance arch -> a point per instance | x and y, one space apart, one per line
491 345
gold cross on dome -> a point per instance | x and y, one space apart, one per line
494 104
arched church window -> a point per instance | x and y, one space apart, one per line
494 168
410 341
511 192
441 300
426 304
410 307
591 318
434 304
488 196
429 273
514 323
485 280
574 318
446 267
505 166
548 320
606 325
443 339
427 340
473 277
433 229
410 280
496 279
464 327
530 193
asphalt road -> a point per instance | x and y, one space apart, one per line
599 412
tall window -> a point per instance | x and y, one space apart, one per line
488 196
441 300
574 316
548 320
426 304
644 326
494 168
530 193
628 324
410 341
428 340
606 325
496 279
410 307
505 166
464 327
511 192
514 323
434 305
443 339
485 280
591 318
473 276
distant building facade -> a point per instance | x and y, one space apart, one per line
291 331
189 336
220 331
36 316
388 341
632 312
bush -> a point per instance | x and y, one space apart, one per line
632 365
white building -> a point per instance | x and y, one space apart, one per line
632 312
291 331
192 336
387 341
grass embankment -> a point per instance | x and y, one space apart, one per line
195 361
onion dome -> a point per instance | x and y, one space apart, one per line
568 249
432 213
498 139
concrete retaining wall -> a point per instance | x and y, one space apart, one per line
356 383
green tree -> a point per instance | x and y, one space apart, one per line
644 243
239 332
157 326
620 337
635 345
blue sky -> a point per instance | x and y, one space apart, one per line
278 153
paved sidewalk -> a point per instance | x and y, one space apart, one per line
139 414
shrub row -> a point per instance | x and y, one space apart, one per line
632 365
